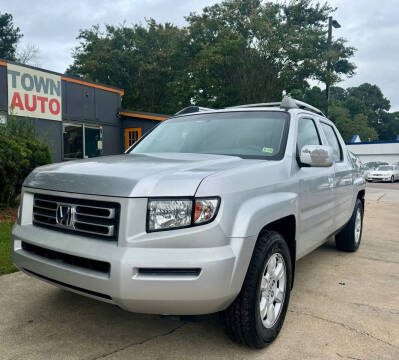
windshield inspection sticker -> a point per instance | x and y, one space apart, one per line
268 150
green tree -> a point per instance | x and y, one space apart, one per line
143 60
20 152
375 104
349 125
9 37
337 93
249 51
234 52
313 96
388 129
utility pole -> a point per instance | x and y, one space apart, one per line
331 23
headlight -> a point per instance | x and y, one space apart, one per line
167 214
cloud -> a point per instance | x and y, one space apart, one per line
54 27
370 26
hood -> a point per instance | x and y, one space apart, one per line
132 175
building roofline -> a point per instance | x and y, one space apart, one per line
68 78
375 142
143 115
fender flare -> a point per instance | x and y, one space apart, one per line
255 213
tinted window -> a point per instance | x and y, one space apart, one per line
73 141
332 141
307 133
247 134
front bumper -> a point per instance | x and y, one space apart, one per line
222 266
378 178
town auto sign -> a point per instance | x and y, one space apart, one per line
34 93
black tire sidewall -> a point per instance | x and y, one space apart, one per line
358 205
277 245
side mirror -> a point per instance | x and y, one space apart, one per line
316 156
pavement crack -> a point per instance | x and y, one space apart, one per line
380 197
347 357
102 356
361 332
378 309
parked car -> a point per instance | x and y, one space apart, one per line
384 173
373 165
206 213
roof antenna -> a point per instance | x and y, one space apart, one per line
288 103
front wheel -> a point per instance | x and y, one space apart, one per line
350 236
392 179
257 314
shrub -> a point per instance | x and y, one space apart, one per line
20 152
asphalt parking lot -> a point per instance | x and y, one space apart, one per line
343 306
383 185
386 192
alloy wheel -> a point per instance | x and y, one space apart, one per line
272 290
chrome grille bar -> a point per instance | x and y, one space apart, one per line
92 217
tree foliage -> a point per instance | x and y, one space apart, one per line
9 37
360 110
20 152
28 54
236 51
145 61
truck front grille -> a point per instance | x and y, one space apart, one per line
91 217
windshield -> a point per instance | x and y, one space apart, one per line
385 168
250 134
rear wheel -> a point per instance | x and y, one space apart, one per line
257 314
350 236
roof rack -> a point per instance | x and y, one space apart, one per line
287 103
192 109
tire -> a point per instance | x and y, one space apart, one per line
349 238
242 319
392 179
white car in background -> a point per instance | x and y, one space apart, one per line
384 173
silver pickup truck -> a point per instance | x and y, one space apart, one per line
206 213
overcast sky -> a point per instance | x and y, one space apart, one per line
369 25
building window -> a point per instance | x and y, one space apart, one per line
93 141
73 141
3 118
82 141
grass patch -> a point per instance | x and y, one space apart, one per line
6 265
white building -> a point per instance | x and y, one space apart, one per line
387 151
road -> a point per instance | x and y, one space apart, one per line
383 185
343 306
383 192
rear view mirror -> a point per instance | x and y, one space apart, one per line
316 155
